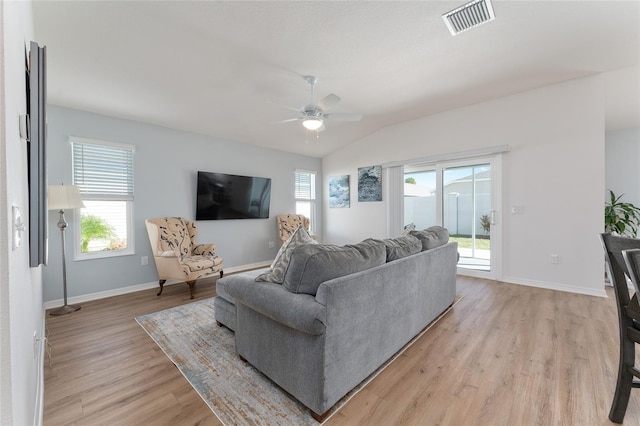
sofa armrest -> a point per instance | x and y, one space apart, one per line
298 311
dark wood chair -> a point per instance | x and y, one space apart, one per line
617 249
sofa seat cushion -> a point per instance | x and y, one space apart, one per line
200 263
223 284
312 264
432 237
276 273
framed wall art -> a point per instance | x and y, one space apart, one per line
370 183
339 195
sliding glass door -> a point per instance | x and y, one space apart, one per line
420 198
463 197
467 213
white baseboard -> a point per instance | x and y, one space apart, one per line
139 287
555 286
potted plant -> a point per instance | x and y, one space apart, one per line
93 228
621 218
485 222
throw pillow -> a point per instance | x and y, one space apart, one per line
432 237
408 228
276 272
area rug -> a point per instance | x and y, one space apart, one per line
236 392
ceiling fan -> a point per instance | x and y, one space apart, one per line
314 115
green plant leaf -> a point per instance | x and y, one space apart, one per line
94 228
621 217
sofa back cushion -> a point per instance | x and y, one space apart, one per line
311 265
402 246
432 237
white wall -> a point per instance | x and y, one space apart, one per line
622 165
166 162
555 170
21 311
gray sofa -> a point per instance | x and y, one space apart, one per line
319 343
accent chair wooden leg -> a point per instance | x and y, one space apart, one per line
191 286
161 282
625 380
221 273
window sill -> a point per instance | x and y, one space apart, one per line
103 254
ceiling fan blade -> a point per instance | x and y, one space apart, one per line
285 106
322 128
328 102
343 116
288 120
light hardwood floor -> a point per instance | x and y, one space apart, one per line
504 355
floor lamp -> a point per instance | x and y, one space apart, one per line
63 197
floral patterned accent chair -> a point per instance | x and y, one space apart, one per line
177 256
288 223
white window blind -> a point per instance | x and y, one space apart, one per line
305 195
305 185
103 170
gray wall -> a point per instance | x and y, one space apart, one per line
166 162
622 165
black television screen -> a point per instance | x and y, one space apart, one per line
223 196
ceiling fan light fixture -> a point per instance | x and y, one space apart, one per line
312 123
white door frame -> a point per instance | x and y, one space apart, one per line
495 162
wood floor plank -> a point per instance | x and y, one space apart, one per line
504 355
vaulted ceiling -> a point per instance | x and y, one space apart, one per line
227 69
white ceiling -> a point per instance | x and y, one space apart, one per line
212 67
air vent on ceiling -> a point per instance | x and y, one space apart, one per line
470 15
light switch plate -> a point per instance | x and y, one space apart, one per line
18 226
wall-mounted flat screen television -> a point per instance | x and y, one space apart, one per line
223 196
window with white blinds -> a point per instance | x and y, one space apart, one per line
104 173
103 170
305 195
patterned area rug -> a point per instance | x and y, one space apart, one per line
237 393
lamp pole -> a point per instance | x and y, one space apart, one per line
65 309
63 197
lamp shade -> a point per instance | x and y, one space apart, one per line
63 197
312 123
